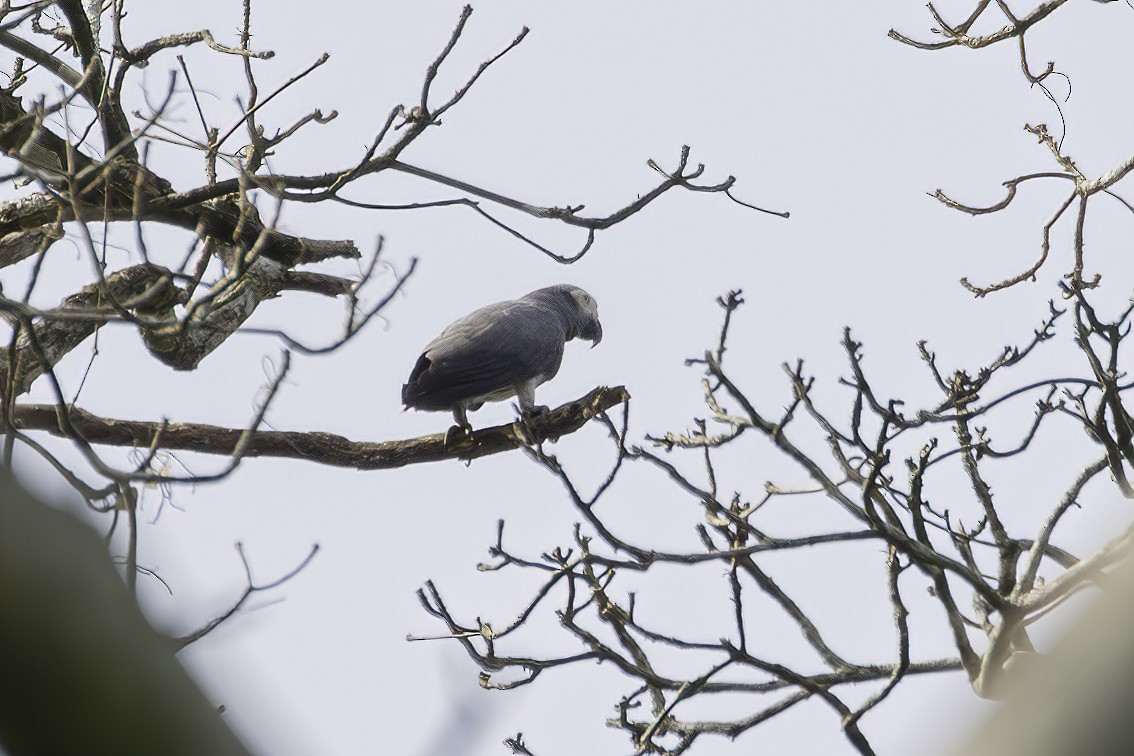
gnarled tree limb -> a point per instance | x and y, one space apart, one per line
56 337
327 448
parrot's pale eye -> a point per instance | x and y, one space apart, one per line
583 298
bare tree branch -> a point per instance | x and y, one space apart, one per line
326 448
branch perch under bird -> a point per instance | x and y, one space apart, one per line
327 448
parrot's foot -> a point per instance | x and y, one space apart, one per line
537 411
457 434
524 422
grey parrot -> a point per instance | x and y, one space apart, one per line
500 351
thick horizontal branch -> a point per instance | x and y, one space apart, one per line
222 219
326 448
108 192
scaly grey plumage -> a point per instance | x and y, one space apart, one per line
500 351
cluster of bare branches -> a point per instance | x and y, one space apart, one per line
894 509
1013 579
961 35
1083 187
79 158
886 471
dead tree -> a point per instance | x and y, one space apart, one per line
883 467
93 173
79 156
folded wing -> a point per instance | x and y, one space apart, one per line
489 351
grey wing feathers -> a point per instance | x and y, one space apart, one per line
493 348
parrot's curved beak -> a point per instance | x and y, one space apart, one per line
595 336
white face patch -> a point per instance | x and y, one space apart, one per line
586 302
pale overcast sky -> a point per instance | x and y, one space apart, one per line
815 111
